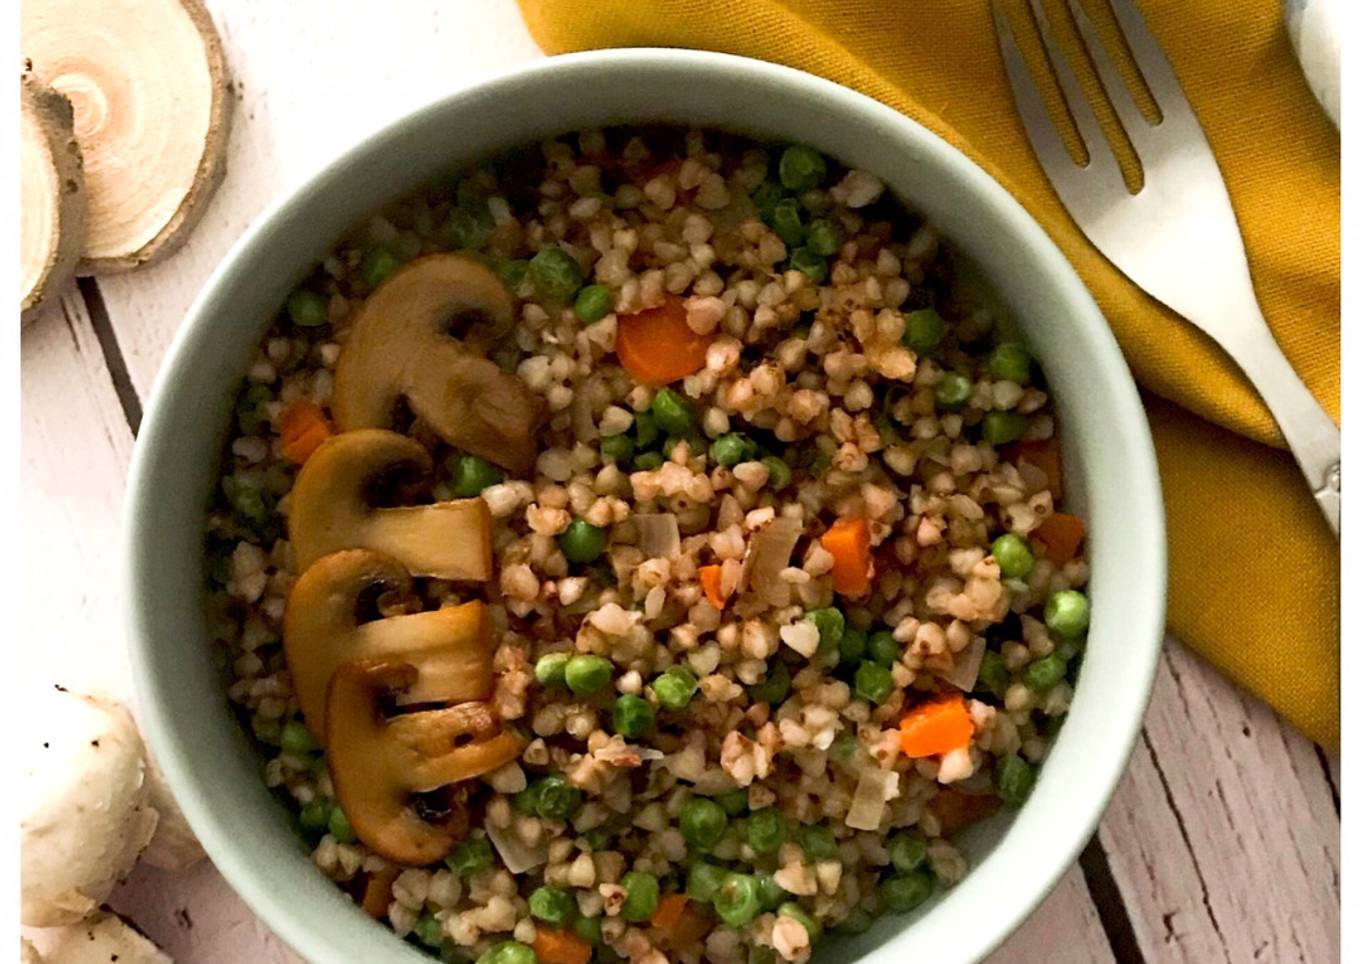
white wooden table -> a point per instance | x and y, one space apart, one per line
1222 843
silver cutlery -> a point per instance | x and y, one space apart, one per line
1177 237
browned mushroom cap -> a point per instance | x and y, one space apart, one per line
401 347
321 630
330 510
377 763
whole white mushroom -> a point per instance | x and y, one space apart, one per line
173 846
85 812
100 938
28 954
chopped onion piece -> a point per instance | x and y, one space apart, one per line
517 856
964 672
768 556
658 535
876 787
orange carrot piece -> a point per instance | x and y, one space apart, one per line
848 542
669 910
1045 457
560 947
378 891
657 346
302 428
710 577
1061 536
936 727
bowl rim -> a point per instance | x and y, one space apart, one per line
141 534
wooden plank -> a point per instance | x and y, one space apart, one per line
1223 837
304 94
1064 930
75 445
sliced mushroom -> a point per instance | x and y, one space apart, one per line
378 764
101 938
322 629
330 509
401 348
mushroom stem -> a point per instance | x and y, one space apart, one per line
150 92
51 191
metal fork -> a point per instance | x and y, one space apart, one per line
1177 237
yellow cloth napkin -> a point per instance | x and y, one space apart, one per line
1255 582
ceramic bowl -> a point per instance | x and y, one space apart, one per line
1109 459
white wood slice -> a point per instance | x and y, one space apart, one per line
1064 930
1224 838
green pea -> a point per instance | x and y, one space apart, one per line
843 747
644 891
703 881
552 905
737 900
252 506
509 952
873 682
810 924
645 429
587 673
906 850
813 265
339 826
307 309
266 731
588 929
1014 780
787 221
593 302
1045 673
819 464
780 473
904 892
551 669
729 449
854 644
733 802
925 329
250 408
1068 613
378 265
472 474
616 448
649 461
818 842
582 542
470 856
992 673
766 195
883 648
555 275
823 237
1010 361
765 830
672 413
597 838
526 801
675 688
801 168
953 390
702 822
470 225
1002 427
316 815
830 623
774 688
429 931
512 271
296 738
557 799
633 716
1013 555
771 895
857 921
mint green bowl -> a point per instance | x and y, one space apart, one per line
1108 453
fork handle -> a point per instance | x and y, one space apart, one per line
1310 432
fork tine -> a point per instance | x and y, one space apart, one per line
1157 71
1087 126
1043 135
1132 119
